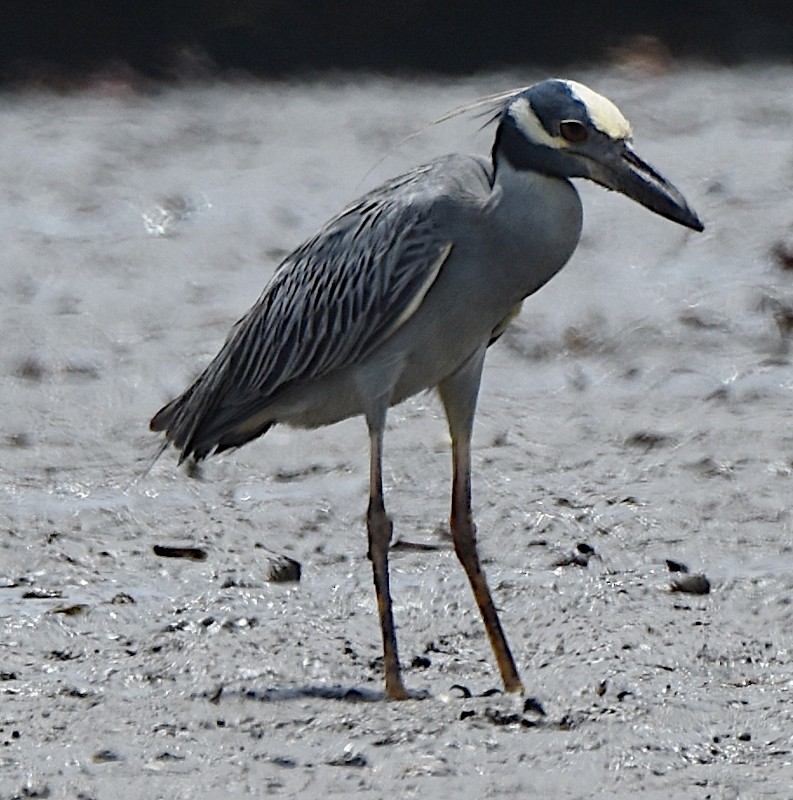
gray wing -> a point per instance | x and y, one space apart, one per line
329 304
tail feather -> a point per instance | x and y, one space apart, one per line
198 428
163 419
237 438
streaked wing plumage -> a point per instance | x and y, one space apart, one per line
330 302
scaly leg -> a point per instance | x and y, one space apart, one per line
464 535
379 528
459 395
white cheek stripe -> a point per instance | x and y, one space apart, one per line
524 115
605 116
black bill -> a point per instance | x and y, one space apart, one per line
635 178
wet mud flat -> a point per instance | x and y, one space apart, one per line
633 421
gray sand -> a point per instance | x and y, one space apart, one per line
640 405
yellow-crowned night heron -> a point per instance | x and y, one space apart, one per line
404 291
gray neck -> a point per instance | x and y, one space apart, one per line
537 219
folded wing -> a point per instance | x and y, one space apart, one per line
329 304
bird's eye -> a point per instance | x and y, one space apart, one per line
573 131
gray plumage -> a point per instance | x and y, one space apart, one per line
404 291
346 291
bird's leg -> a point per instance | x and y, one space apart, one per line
459 393
379 528
464 536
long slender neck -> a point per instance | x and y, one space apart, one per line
536 219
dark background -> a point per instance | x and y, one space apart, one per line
170 39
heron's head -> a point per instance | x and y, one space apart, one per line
565 129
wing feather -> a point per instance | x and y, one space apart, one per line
329 304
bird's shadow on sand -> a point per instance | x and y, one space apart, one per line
343 694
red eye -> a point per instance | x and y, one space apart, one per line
573 131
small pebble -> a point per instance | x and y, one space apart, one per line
500 718
189 553
41 594
422 547
214 698
283 570
533 705
349 759
578 558
105 756
71 610
691 584
166 756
